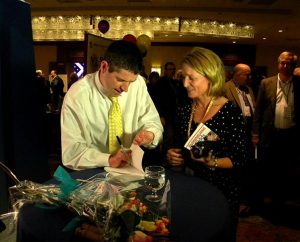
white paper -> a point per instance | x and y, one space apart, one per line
134 167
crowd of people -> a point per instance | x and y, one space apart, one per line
51 90
256 160
248 151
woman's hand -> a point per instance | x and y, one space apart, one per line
174 157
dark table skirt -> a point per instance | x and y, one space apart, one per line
199 212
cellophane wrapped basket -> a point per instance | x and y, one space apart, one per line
114 206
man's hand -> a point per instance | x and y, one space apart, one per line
120 159
144 137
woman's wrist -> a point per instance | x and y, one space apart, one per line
213 164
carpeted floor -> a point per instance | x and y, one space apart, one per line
271 227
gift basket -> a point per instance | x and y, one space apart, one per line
8 220
108 208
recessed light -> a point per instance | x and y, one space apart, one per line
264 38
234 42
280 30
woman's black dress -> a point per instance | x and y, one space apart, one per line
229 125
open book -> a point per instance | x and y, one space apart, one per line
134 167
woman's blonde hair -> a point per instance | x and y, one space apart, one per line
208 64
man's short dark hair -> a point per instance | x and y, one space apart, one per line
123 55
169 64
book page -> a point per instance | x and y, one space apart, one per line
135 166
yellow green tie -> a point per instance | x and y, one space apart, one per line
115 126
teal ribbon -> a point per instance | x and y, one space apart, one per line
67 185
73 224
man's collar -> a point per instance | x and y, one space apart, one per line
285 81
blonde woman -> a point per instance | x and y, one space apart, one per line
219 158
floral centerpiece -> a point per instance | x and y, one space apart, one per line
109 208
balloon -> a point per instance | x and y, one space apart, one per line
143 50
143 42
103 26
143 53
130 38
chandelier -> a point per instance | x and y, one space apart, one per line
57 28
217 29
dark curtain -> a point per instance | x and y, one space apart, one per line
22 142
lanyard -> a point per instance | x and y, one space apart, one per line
285 94
192 114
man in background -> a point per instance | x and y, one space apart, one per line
57 91
275 130
170 92
44 90
240 93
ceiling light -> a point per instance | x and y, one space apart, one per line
54 28
215 28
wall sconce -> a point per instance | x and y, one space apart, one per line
157 69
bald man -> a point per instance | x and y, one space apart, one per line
240 93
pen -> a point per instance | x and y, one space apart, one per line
122 148
119 141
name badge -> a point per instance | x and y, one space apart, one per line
288 112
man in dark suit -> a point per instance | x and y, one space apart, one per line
170 93
240 93
275 129
57 90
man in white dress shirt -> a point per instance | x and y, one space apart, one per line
276 131
84 116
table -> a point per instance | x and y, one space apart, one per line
199 212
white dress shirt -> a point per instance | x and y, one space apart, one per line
245 109
284 110
84 121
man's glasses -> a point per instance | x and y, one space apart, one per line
246 75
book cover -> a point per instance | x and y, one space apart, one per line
202 133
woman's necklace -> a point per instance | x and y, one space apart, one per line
194 107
